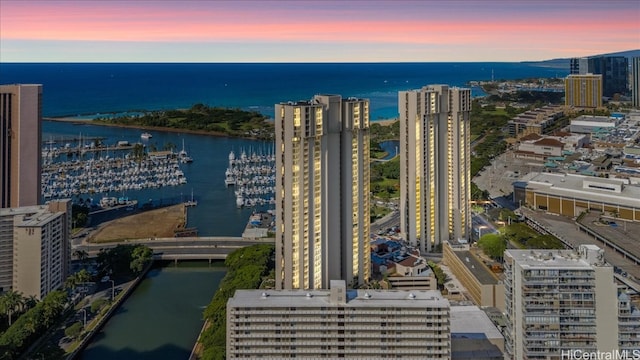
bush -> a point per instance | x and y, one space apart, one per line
74 330
246 267
98 304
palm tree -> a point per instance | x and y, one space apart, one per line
81 255
30 302
82 276
11 301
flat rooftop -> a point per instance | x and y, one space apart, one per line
574 185
322 298
479 270
549 258
471 322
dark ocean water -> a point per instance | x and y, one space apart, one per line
90 88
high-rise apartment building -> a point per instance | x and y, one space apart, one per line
338 323
435 176
35 251
558 301
20 139
635 82
583 91
614 71
322 192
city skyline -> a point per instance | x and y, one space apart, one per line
285 31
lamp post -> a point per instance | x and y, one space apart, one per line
84 322
113 290
480 230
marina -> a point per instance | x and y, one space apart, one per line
253 178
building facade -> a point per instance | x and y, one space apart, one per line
559 301
322 192
35 251
614 71
571 194
20 139
435 177
338 323
635 82
583 91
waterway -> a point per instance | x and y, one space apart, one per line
162 318
392 147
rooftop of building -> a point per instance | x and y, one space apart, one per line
585 187
355 298
565 259
471 322
478 269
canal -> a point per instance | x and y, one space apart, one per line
163 316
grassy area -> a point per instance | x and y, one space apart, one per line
378 212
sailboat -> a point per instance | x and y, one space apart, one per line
183 156
191 202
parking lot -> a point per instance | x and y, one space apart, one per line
498 178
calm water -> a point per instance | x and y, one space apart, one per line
216 213
161 319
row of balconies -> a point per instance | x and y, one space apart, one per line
316 343
240 327
372 352
329 311
333 335
297 320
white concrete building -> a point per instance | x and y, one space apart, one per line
435 180
559 300
35 251
322 192
338 323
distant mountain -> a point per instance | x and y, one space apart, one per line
564 63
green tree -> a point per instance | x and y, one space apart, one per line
52 306
81 255
74 330
140 256
493 245
98 304
11 301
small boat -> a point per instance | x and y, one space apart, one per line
191 202
146 136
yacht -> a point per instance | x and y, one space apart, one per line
146 136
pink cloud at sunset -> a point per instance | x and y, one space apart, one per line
555 29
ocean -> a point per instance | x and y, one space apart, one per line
90 89
86 89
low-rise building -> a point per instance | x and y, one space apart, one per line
482 284
589 124
473 335
338 323
403 267
537 121
571 194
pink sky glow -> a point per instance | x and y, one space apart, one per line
303 30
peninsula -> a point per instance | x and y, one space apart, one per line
199 119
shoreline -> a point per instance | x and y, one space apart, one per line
142 127
88 121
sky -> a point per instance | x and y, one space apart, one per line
314 31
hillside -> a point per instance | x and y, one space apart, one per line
564 62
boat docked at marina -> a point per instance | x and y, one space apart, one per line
253 178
